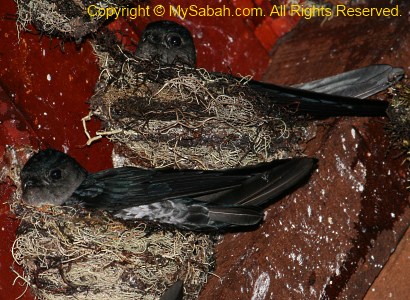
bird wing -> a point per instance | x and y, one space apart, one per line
359 83
243 206
270 185
126 187
322 102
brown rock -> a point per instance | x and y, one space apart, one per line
393 280
330 238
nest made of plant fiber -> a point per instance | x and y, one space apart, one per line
184 117
67 19
399 115
69 253
72 253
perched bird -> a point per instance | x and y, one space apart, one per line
163 114
167 42
188 199
171 42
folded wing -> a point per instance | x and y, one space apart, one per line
193 199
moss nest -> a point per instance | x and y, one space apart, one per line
67 252
175 116
399 114
66 19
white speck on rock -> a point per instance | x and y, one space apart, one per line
65 148
300 259
261 287
356 176
312 291
48 77
353 132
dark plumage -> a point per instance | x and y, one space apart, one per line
189 199
168 42
174 292
332 96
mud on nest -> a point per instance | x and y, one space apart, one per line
70 253
67 19
185 117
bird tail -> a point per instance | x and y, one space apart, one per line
360 83
336 95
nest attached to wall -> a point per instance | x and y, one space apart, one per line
66 19
72 253
67 253
399 115
181 117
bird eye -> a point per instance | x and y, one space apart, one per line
55 174
27 184
174 40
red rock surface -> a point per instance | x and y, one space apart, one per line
49 82
327 240
43 91
14 130
393 280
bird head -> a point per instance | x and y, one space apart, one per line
167 41
50 177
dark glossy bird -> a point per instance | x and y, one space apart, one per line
337 95
167 42
188 199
